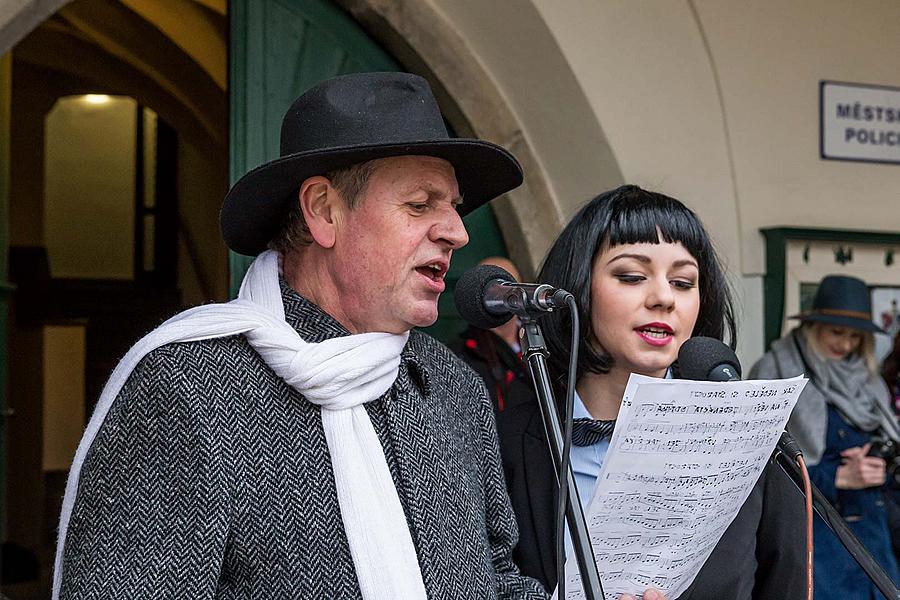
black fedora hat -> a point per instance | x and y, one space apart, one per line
351 119
842 300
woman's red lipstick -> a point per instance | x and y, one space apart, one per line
655 334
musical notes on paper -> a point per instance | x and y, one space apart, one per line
683 458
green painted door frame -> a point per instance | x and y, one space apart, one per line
281 48
777 239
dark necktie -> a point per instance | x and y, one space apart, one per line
587 432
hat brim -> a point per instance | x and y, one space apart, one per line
254 209
843 321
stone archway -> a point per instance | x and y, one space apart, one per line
425 40
18 18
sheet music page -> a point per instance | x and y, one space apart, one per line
683 458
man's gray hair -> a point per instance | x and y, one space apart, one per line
350 182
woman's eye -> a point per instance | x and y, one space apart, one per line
684 284
626 278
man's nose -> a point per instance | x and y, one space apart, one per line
450 229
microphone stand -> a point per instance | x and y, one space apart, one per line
836 523
534 351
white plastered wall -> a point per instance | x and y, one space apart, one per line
648 77
711 101
522 55
643 91
89 188
714 102
771 57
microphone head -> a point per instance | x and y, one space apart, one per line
708 359
469 296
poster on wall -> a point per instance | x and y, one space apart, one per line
859 122
886 314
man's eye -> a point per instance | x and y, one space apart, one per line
419 206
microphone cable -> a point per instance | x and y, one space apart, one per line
567 447
789 449
807 489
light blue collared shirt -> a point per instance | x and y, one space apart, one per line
587 461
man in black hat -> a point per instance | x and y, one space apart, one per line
301 441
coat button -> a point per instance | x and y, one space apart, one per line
842 434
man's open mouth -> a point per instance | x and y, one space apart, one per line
434 271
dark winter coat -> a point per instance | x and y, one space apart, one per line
505 375
840 577
211 478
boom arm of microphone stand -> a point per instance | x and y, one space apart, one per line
535 354
840 528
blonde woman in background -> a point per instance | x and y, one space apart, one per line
842 411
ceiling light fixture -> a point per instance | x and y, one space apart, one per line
96 98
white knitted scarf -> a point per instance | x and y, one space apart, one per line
338 374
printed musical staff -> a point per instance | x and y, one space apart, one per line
682 460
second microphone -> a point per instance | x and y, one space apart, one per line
487 296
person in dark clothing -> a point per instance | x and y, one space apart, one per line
495 354
890 372
646 278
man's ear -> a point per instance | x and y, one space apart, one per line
320 204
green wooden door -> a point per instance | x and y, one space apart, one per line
281 48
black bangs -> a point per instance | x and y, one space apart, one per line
638 217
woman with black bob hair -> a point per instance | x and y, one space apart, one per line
646 278
628 215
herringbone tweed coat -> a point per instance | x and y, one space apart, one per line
211 478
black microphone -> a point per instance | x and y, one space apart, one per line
707 359
487 296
